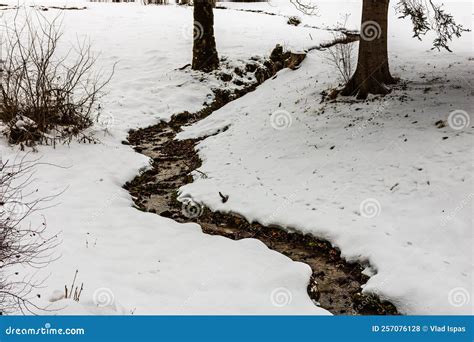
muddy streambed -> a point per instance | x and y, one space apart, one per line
334 285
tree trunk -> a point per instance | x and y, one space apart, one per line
204 48
372 73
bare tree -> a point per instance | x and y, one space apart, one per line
373 73
205 57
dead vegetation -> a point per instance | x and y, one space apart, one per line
46 96
341 53
22 243
74 292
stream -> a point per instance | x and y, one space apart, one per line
335 284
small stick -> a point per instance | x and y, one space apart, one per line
80 291
73 281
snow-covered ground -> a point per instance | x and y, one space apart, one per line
135 262
375 178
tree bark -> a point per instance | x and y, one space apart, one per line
205 56
372 73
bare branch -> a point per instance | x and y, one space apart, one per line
21 243
45 96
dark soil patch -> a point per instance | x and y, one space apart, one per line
335 284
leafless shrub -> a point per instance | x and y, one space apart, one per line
341 54
21 243
45 96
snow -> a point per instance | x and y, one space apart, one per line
375 178
138 262
133 262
